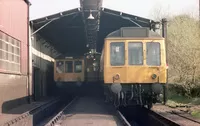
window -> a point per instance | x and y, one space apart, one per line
135 53
68 66
77 66
117 53
9 53
153 53
60 66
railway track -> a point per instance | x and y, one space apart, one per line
123 119
141 116
174 115
57 117
157 119
72 114
93 111
185 117
35 115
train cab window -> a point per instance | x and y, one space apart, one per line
68 66
117 53
77 66
60 66
153 53
135 53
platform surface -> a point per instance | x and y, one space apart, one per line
15 112
90 111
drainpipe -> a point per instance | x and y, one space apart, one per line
29 86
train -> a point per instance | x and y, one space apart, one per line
133 67
71 73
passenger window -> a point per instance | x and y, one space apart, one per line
153 53
68 66
117 53
135 53
77 66
60 66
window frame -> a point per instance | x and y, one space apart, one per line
124 48
160 63
142 53
76 64
10 60
63 64
72 66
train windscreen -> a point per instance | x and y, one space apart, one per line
153 53
68 66
59 66
77 66
135 53
117 53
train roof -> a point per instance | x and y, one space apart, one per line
134 32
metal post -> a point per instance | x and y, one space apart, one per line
42 27
199 9
164 35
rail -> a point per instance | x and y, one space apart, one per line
161 120
188 118
31 112
123 119
53 121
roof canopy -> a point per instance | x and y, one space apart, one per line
66 31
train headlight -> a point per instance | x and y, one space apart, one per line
153 76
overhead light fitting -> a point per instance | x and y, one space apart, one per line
157 25
90 16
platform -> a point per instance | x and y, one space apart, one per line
15 112
90 111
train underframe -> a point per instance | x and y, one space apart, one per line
135 94
68 88
86 88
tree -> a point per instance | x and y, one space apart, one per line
183 48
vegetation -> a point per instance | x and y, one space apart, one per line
184 54
184 62
183 47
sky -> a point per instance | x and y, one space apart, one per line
142 8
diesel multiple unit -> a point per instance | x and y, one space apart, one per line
132 67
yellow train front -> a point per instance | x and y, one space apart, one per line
69 74
133 66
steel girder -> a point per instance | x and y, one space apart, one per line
91 8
